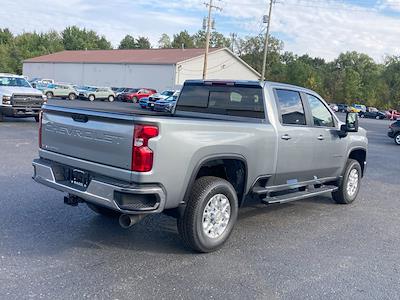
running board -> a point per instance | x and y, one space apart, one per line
299 195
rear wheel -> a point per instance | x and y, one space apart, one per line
397 139
101 210
349 185
210 214
72 96
111 98
135 100
49 95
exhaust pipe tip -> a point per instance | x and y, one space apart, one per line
126 221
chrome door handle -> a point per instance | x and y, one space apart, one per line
285 137
321 137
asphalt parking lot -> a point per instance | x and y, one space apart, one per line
311 249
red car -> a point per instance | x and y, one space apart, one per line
136 94
392 114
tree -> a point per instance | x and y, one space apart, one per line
251 50
164 41
75 38
143 43
391 78
182 39
5 36
217 40
128 42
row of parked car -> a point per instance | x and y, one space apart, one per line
366 112
146 97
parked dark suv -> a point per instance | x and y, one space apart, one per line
394 132
343 108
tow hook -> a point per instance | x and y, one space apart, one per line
72 200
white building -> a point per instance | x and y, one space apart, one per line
152 68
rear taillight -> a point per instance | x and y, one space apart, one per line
142 155
40 129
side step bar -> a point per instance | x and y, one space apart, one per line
299 195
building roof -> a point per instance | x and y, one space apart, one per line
134 56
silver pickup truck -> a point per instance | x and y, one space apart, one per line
223 143
18 98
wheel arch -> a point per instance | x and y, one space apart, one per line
359 154
214 164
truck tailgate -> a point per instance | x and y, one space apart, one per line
104 138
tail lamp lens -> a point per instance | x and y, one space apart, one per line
142 156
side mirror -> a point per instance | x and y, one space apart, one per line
352 122
350 126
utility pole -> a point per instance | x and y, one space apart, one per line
267 19
210 6
233 39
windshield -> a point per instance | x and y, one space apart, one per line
14 81
167 93
91 89
171 98
132 90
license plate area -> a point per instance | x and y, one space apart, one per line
77 177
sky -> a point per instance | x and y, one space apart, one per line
320 28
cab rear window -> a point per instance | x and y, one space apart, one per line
241 101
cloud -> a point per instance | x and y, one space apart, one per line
319 28
390 5
324 28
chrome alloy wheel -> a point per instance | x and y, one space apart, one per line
216 216
352 182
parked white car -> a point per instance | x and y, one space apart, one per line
98 93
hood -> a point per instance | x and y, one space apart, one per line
10 90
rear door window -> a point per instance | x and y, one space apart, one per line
241 101
291 107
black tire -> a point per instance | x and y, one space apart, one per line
104 211
111 98
135 100
190 224
91 98
397 139
342 196
71 96
49 95
37 119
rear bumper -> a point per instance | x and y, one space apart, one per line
20 112
117 195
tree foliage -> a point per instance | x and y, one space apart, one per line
75 38
129 42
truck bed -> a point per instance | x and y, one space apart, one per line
100 106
